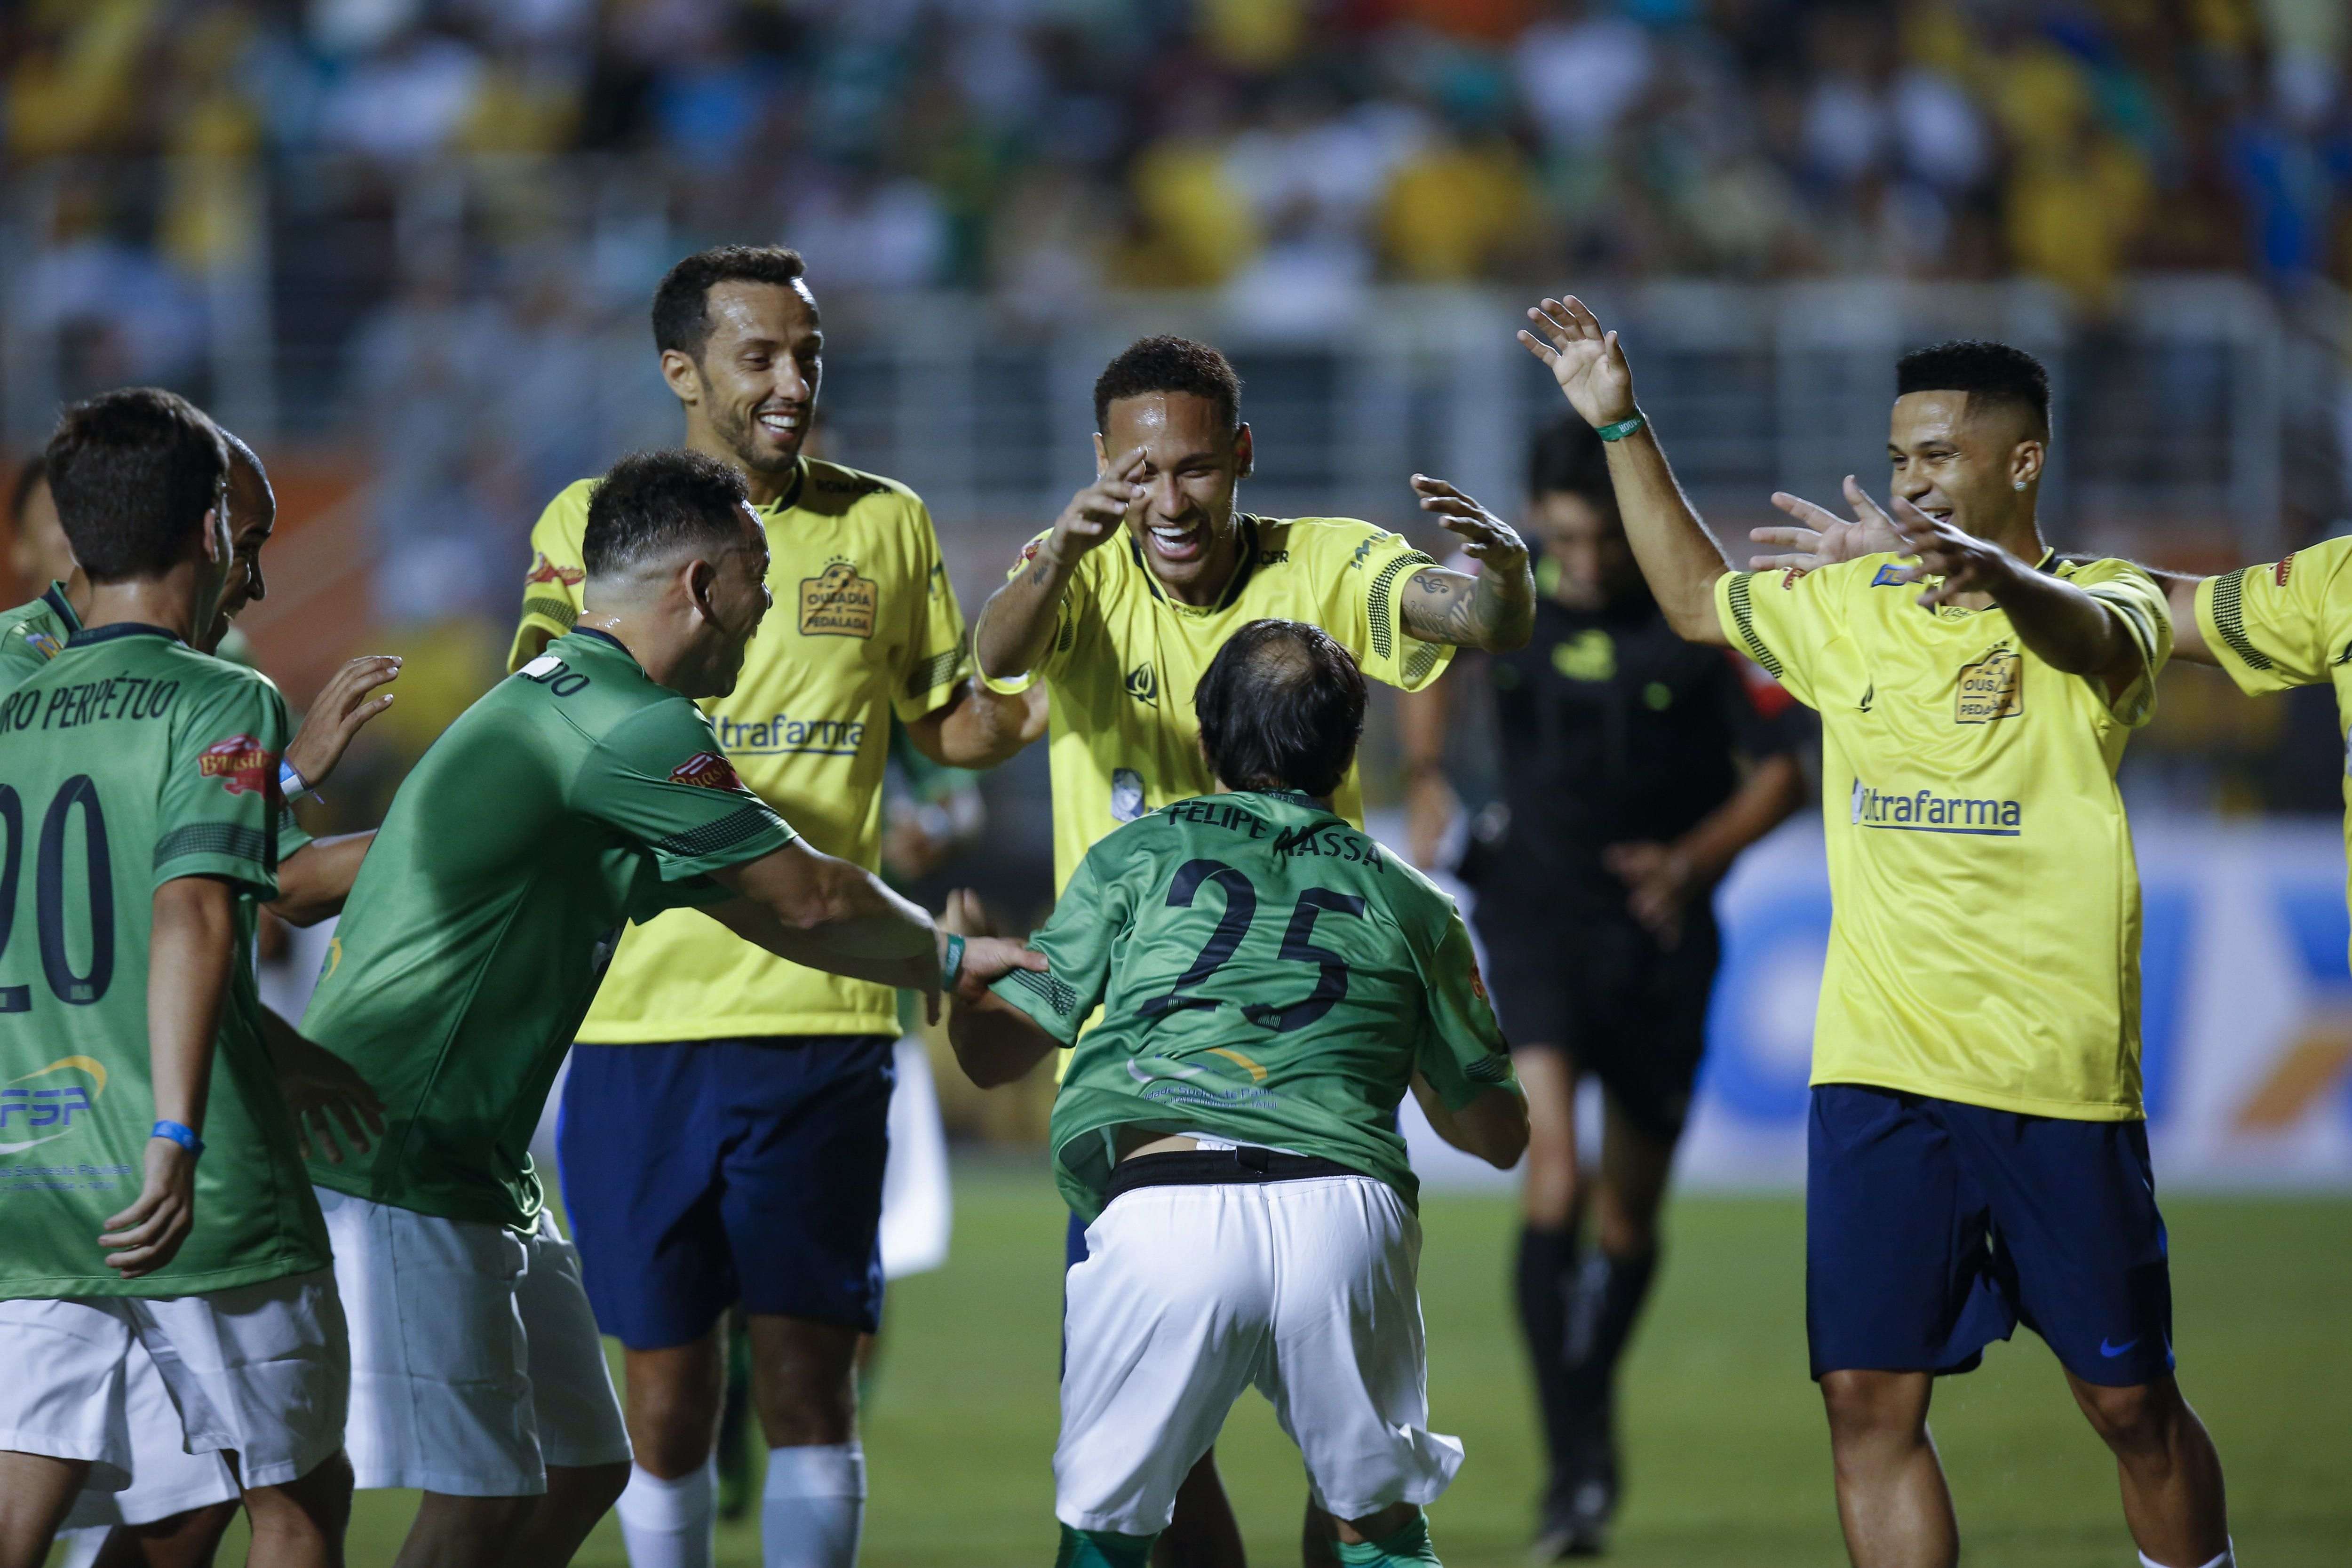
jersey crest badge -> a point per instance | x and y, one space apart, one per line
838 603
1992 688
705 770
240 762
542 569
1143 684
43 643
1890 575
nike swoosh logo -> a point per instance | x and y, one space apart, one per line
2111 1350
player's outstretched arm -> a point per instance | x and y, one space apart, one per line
1677 555
2188 634
1494 610
978 728
1494 1127
995 1043
1016 625
190 952
313 882
1820 537
333 1106
1431 804
343 710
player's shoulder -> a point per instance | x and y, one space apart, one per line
1316 544
836 489
2089 571
566 511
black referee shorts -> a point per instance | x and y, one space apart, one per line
1599 987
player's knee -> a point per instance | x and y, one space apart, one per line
318 1504
592 1490
2130 1419
1873 1407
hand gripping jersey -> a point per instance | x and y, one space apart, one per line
866 625
129 759
575 797
2286 624
1266 974
33 632
1126 660
1984 936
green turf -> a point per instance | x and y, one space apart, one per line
1727 1456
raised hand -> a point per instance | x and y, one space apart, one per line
1820 537
1095 513
1583 359
148 1234
1484 537
342 709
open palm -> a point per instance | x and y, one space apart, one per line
1582 358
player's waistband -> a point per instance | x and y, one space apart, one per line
1206 1167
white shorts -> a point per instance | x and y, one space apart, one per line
474 1360
165 1479
1191 1294
260 1371
918 1206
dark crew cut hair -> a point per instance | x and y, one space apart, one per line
1169 363
1994 375
1567 458
652 503
681 303
1281 708
132 473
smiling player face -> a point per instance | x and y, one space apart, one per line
755 384
1963 465
252 517
1193 462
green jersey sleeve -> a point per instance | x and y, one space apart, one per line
1461 1051
660 780
1078 940
216 815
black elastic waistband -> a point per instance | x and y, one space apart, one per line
1206 1167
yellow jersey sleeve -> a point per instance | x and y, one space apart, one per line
939 656
551 589
1369 571
1783 620
2138 601
2278 626
1075 592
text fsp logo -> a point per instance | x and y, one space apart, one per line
838 603
47 1112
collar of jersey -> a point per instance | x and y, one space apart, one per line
54 596
1242 573
2049 562
792 496
605 636
85 637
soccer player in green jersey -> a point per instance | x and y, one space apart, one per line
138 792
583 792
1977 1148
1271 982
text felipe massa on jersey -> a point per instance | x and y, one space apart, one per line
1924 810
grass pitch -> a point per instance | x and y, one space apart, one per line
1726 1455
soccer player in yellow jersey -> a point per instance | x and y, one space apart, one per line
1978 1156
1121 606
724 1127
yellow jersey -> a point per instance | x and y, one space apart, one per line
2285 624
1125 659
1984 930
865 623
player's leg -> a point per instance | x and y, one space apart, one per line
178 1504
2076 1223
676 1395
36 1491
189 1539
61 1415
807 1144
582 1438
1893 1504
300 1523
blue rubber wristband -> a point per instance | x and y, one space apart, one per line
952 964
1622 428
185 1137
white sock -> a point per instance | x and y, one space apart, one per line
668 1524
815 1507
2227 1560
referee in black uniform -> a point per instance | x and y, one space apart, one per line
1634 769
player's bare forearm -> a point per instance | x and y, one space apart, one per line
1493 1126
1431 804
830 906
2067 628
976 728
1016 626
1678 555
1495 611
313 882
2187 636
190 955
995 1043
1773 788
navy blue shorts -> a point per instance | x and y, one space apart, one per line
1932 1229
706 1173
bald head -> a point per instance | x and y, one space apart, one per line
1282 707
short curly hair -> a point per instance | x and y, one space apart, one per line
1169 363
682 304
1992 375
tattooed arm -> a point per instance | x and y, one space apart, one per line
1016 625
1496 610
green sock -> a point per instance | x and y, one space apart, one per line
1102 1549
1410 1544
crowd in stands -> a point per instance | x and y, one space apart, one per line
1298 148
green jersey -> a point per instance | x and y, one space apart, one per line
127 761
33 634
1266 974
575 797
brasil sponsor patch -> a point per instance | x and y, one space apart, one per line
705 770
242 764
